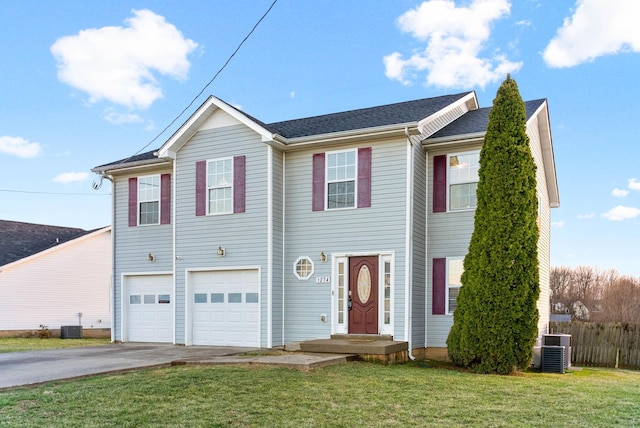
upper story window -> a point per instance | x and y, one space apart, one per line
341 179
220 186
463 180
149 199
455 267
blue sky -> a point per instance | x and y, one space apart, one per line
86 83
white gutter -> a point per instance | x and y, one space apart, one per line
174 186
408 245
269 246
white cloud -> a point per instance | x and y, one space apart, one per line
71 177
292 95
620 213
557 224
117 64
619 193
634 184
118 118
586 216
455 38
18 146
596 28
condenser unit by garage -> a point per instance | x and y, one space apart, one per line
553 358
71 332
560 340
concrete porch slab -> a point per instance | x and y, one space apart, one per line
358 346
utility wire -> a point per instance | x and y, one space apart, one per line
208 83
54 193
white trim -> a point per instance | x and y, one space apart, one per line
383 256
269 247
295 268
284 207
408 243
188 330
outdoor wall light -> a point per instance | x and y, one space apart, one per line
151 257
221 251
323 257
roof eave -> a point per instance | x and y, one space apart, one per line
354 135
443 117
548 158
127 166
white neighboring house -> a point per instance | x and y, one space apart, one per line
50 275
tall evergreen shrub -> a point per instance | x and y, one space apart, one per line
495 322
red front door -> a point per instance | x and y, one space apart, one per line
363 292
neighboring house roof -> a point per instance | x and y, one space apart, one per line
20 240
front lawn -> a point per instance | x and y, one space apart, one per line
9 344
349 395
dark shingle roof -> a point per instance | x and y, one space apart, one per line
390 114
19 240
476 121
372 117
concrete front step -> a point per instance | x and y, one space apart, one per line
385 350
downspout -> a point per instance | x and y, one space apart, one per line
284 244
269 246
408 276
112 285
174 185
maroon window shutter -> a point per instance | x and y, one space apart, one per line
364 177
239 185
318 182
439 288
133 201
201 188
165 198
439 183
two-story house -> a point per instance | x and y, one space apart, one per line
241 233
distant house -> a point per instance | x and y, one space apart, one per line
240 233
54 276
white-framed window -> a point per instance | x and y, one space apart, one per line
303 268
220 186
463 180
386 276
341 179
455 267
149 199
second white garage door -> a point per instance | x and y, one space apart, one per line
225 308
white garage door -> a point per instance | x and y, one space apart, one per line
150 308
225 308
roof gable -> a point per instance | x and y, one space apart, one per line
20 240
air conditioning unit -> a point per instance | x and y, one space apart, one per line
560 340
553 358
71 332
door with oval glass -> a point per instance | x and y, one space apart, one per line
363 295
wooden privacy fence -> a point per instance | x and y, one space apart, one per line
602 344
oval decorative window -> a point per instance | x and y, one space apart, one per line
364 284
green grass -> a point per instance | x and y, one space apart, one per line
349 395
35 344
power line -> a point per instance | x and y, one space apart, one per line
208 83
54 193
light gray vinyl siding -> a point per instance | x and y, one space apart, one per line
448 235
134 244
379 228
242 235
418 277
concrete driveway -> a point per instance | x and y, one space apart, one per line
28 368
